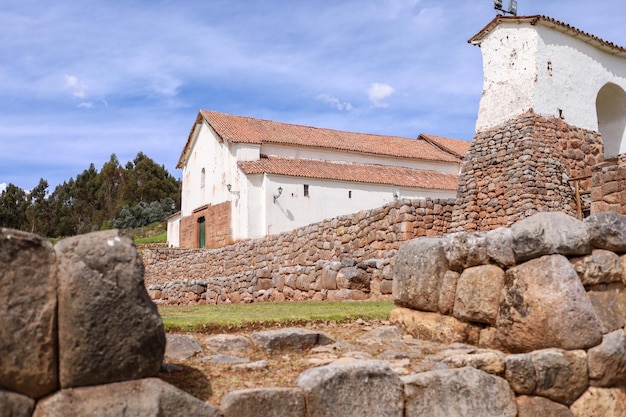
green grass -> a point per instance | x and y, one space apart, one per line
236 316
160 238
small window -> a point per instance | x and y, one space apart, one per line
306 190
350 194
202 178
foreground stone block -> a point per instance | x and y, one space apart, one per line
520 373
601 402
420 267
548 233
292 338
181 347
149 397
232 344
28 352
478 294
109 329
458 393
539 406
609 303
607 230
607 361
601 267
264 402
545 305
465 250
561 375
15 405
359 388
434 327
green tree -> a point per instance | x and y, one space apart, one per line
37 212
13 206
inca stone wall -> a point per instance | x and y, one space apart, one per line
346 258
608 190
521 168
545 301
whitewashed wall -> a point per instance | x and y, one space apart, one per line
540 68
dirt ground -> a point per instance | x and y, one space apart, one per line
211 381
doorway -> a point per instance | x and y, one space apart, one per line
202 232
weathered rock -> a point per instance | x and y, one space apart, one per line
382 334
101 273
447 293
420 267
28 362
601 267
15 405
561 375
539 406
433 326
520 373
181 346
353 278
329 278
149 397
500 246
231 344
264 402
548 233
491 362
545 305
601 402
607 230
609 303
292 338
465 250
478 294
345 294
457 393
358 388
607 361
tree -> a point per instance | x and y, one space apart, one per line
13 205
37 212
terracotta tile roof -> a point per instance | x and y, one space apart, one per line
593 40
250 130
454 146
365 173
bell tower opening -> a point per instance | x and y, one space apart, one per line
611 112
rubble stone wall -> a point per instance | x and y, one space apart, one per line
349 257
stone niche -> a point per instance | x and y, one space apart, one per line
548 294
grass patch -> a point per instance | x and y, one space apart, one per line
160 238
225 317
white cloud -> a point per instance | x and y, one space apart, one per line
377 94
86 105
335 102
3 186
77 86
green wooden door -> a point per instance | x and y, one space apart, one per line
202 231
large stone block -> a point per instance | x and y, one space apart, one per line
607 230
109 329
15 405
28 322
548 233
264 402
520 373
609 303
607 361
434 327
562 376
458 393
604 402
540 407
420 267
545 305
478 294
149 397
359 388
292 338
601 267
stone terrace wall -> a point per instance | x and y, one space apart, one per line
608 191
520 168
350 257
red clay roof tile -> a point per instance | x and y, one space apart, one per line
365 173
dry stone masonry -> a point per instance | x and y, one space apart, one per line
545 299
347 258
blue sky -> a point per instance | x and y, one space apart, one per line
80 80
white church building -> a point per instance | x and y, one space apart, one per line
248 178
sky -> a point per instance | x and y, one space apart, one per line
81 80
